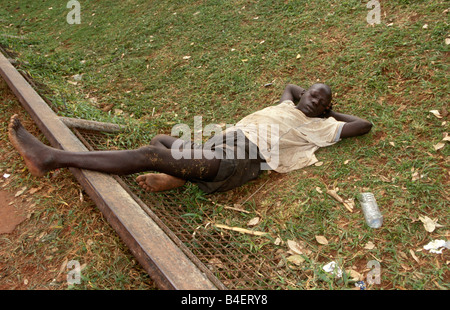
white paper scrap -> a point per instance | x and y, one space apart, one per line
333 268
436 246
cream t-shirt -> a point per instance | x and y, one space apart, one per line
286 137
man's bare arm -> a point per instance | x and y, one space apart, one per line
292 92
354 126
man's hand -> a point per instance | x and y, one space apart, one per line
354 126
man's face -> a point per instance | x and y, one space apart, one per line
314 101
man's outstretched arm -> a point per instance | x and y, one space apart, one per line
354 126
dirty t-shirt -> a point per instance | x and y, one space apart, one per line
286 137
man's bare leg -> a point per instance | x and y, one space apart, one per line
40 159
157 182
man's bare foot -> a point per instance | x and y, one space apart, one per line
158 182
37 156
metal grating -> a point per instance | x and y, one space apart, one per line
238 261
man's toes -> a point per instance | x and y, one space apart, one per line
146 187
14 122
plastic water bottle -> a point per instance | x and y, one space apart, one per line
370 209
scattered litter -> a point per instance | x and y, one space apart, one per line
369 245
254 221
414 256
241 230
34 190
438 146
322 240
429 224
347 203
441 144
436 113
298 247
416 175
372 214
446 137
217 263
237 207
21 191
77 77
294 247
354 275
361 285
436 246
333 268
6 175
296 259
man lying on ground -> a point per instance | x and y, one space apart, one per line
282 137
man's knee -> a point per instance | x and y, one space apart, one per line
158 139
148 149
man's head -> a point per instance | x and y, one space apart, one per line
316 101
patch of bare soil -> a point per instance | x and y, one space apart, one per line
12 212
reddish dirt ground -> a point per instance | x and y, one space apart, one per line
12 212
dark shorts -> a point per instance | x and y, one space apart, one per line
240 162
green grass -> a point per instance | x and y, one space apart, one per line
131 54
